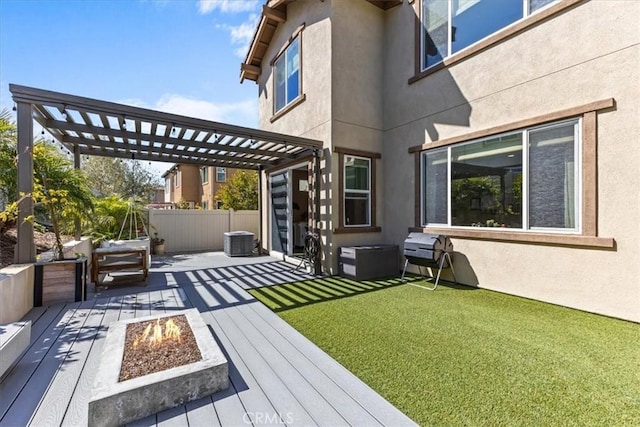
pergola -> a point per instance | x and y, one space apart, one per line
92 127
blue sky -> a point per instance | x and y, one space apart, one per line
179 56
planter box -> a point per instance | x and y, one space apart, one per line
60 281
369 262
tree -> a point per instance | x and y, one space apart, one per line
126 178
241 192
8 174
105 175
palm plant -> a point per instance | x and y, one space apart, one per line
61 189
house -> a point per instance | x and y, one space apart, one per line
195 185
509 126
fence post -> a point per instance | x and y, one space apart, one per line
232 220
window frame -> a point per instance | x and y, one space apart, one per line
204 174
346 190
176 182
218 169
524 133
528 21
301 97
588 237
372 157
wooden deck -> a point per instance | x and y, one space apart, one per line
277 376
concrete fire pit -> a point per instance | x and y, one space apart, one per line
114 403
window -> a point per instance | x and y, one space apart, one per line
449 26
357 191
205 205
527 179
204 174
219 204
221 174
287 82
167 185
176 179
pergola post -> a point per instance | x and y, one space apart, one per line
317 267
25 251
76 165
260 237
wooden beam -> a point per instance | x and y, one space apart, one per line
164 140
88 143
250 69
276 15
45 97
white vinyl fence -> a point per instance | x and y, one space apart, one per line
199 230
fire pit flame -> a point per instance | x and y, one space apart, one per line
171 332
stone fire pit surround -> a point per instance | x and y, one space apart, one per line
115 403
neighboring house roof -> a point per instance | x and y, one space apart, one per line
273 13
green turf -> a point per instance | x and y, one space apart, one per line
460 356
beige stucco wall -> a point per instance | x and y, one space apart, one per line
587 54
343 105
357 60
311 118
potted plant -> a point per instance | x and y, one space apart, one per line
157 244
61 191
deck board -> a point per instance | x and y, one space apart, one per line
77 412
277 376
54 405
13 384
45 366
244 385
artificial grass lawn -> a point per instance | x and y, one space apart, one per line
459 356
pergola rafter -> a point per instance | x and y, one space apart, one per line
92 127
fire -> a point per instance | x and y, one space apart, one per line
153 335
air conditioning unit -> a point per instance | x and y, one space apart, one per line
238 243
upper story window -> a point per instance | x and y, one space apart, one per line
527 179
167 185
287 82
221 174
176 178
449 26
204 174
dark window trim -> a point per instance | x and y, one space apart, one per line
301 96
486 43
373 156
589 236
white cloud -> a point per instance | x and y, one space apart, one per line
227 6
243 113
242 35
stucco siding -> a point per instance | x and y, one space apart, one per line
586 54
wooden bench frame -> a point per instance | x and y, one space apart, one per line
126 259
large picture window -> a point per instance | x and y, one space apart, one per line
287 76
527 180
449 26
